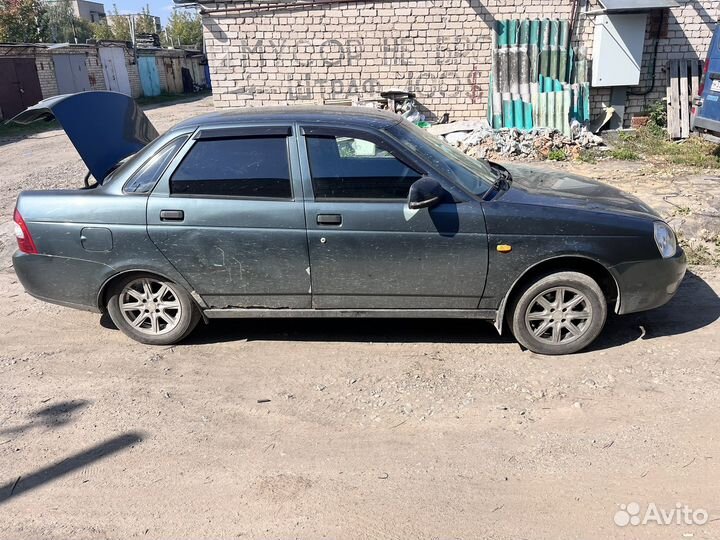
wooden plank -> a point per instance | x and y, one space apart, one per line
684 100
674 103
695 85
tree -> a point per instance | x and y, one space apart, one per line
62 24
102 30
21 21
119 26
145 23
185 27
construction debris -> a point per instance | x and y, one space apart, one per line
485 143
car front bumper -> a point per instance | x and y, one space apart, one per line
649 284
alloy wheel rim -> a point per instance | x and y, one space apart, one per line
150 306
558 316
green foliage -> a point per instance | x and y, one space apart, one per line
21 21
63 26
557 154
624 154
184 28
587 155
144 22
653 141
102 30
657 112
118 25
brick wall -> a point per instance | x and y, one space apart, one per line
133 73
95 70
46 74
438 48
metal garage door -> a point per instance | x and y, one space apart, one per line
149 76
71 73
20 87
115 70
173 75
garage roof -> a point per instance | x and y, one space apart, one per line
637 5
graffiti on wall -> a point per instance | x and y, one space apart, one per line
443 67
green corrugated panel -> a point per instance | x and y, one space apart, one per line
566 113
534 50
575 112
524 32
554 52
528 110
545 47
534 32
502 37
564 45
549 84
559 107
512 32
550 110
508 120
586 101
518 114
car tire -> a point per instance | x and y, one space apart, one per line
559 313
151 309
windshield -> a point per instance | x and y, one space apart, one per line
474 175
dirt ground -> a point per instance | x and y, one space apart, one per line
354 429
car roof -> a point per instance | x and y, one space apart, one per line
352 116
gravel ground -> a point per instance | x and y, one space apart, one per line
351 429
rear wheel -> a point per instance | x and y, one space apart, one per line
560 313
151 309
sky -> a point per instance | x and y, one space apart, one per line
159 8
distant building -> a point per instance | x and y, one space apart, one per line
87 10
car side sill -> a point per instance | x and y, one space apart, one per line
234 313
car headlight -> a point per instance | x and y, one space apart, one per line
665 239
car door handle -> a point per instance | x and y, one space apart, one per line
172 215
329 219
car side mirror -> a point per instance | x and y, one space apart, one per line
425 192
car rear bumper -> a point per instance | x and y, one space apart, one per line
61 280
707 124
649 284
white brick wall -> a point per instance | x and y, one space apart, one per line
438 48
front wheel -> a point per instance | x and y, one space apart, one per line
151 309
560 313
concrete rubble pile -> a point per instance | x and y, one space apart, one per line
479 140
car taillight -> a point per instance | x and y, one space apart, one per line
701 88
22 234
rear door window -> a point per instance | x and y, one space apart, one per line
247 167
